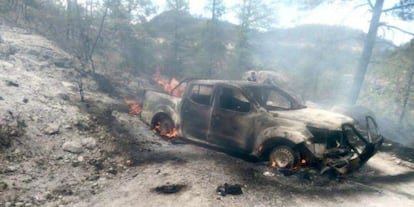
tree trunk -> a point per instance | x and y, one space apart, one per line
175 44
69 20
98 36
213 37
366 52
406 96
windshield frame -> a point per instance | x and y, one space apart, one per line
294 104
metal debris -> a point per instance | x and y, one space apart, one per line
229 189
169 188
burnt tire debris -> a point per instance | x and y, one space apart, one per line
169 188
229 189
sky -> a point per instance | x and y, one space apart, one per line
349 13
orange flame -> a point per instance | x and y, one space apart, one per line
156 127
168 85
273 164
134 108
173 133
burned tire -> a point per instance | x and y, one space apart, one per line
164 126
283 158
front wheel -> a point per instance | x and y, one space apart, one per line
283 158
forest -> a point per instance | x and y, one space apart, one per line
329 65
119 47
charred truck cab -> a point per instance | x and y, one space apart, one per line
263 121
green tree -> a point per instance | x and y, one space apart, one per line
213 45
252 14
127 19
174 59
404 10
389 85
367 50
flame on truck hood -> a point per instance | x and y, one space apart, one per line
316 118
168 84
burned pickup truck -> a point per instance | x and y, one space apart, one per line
263 121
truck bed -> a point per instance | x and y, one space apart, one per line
158 102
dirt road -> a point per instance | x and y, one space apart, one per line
385 181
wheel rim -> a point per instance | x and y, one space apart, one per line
164 127
282 157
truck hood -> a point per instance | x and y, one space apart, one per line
317 118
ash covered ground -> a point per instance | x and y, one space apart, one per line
57 151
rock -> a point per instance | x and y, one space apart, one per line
64 97
7 204
10 169
75 164
129 163
3 186
89 143
8 51
12 83
63 63
73 147
269 174
19 204
67 126
82 125
63 190
80 159
93 177
52 128
112 170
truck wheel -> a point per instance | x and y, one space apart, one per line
283 157
164 127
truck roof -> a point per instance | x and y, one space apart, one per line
237 83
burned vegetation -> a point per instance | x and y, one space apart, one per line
12 128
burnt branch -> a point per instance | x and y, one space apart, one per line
396 28
398 7
98 36
362 5
81 89
370 4
12 126
399 65
79 80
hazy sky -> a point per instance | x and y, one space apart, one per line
350 13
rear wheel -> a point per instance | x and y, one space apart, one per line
164 126
283 157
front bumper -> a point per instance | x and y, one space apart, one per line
370 143
348 164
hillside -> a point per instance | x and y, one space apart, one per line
54 149
316 57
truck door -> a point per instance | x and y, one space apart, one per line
232 119
196 110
